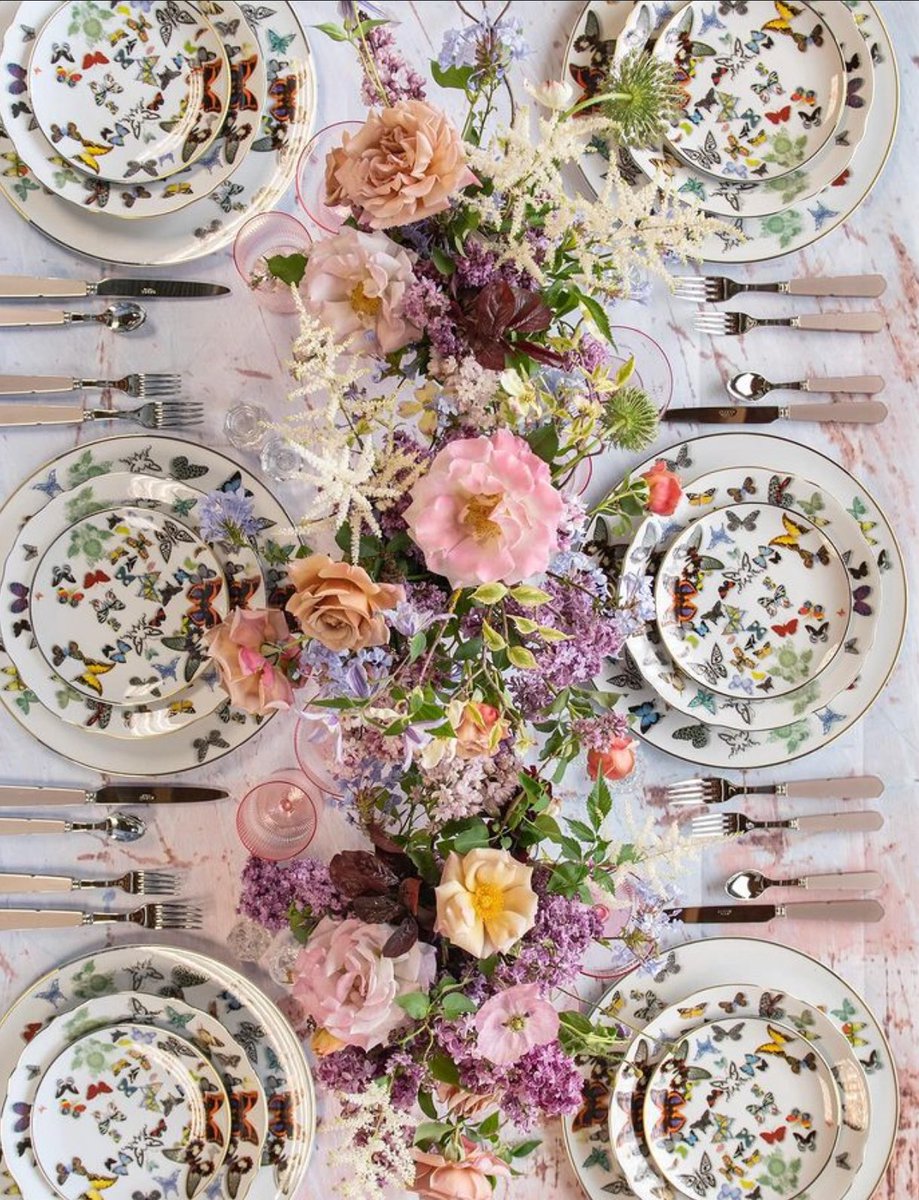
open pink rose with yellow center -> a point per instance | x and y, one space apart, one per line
485 901
339 604
355 283
348 986
466 1178
403 165
486 511
238 646
513 1022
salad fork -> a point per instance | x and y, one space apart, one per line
149 916
155 414
715 790
715 289
139 387
733 323
135 883
718 825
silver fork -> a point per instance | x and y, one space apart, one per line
718 825
155 414
139 387
715 790
135 883
166 915
739 323
714 289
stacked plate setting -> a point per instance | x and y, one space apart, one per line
111 579
148 134
788 110
148 1070
782 1084
780 601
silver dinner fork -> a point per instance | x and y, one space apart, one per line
166 915
155 414
135 883
715 289
732 323
715 790
719 825
140 387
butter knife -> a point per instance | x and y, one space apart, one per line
806 910
23 287
861 412
12 795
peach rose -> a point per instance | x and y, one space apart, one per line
401 166
616 761
480 731
338 604
253 682
664 489
485 901
467 1178
355 282
462 1103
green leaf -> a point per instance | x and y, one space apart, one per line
524 624
475 837
581 830
487 965
489 593
548 634
335 32
451 77
468 650
493 640
567 877
597 313
416 1004
365 26
442 1067
490 1126
288 268
426 1104
529 596
431 1131
424 862
443 262
543 441
455 1004
625 372
417 645
522 1149
522 658
599 802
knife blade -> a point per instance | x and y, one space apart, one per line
24 287
12 795
862 412
807 910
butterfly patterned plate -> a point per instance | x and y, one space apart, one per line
166 459
140 195
239 575
770 50
766 1143
167 97
248 1109
715 745
794 223
135 973
757 709
710 600
717 962
744 190
211 222
171 1107
142 573
749 1072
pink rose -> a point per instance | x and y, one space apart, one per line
354 282
486 511
664 489
513 1022
462 1103
350 989
480 732
615 762
439 1178
402 166
236 646
338 603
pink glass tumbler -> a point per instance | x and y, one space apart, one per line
311 176
268 234
277 819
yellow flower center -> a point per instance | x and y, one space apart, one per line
516 1024
364 305
476 517
488 901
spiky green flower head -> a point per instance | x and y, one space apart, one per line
639 98
630 418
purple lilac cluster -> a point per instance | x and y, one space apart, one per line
426 307
552 952
400 81
269 889
596 733
350 1070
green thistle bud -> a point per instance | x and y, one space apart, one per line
630 418
639 98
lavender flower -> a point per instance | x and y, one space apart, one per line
228 517
552 952
350 1070
269 889
398 79
425 306
489 47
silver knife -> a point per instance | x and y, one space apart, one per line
23 287
861 412
807 910
12 795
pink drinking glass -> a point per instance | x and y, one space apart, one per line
313 750
277 819
653 372
311 176
265 235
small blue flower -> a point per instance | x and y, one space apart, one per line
228 517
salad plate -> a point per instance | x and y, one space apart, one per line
729 614
119 1105
140 195
867 1068
758 710
167 460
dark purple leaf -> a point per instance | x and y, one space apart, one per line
359 873
409 891
402 938
377 909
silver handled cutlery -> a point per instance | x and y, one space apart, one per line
135 883
166 915
715 790
747 885
849 412
139 387
869 911
27 796
156 414
714 289
118 826
719 825
750 386
124 317
732 323
24 287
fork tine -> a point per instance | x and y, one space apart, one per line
175 916
156 883
683 785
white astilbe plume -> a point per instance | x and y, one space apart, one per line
372 1146
319 363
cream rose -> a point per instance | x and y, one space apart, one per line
485 901
339 604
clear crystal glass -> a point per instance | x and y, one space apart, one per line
247 425
280 460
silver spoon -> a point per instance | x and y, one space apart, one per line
747 885
120 826
122 317
751 386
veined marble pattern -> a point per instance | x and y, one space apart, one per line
246 348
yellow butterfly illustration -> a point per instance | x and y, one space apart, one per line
782 23
92 671
791 536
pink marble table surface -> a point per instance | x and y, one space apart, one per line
232 349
